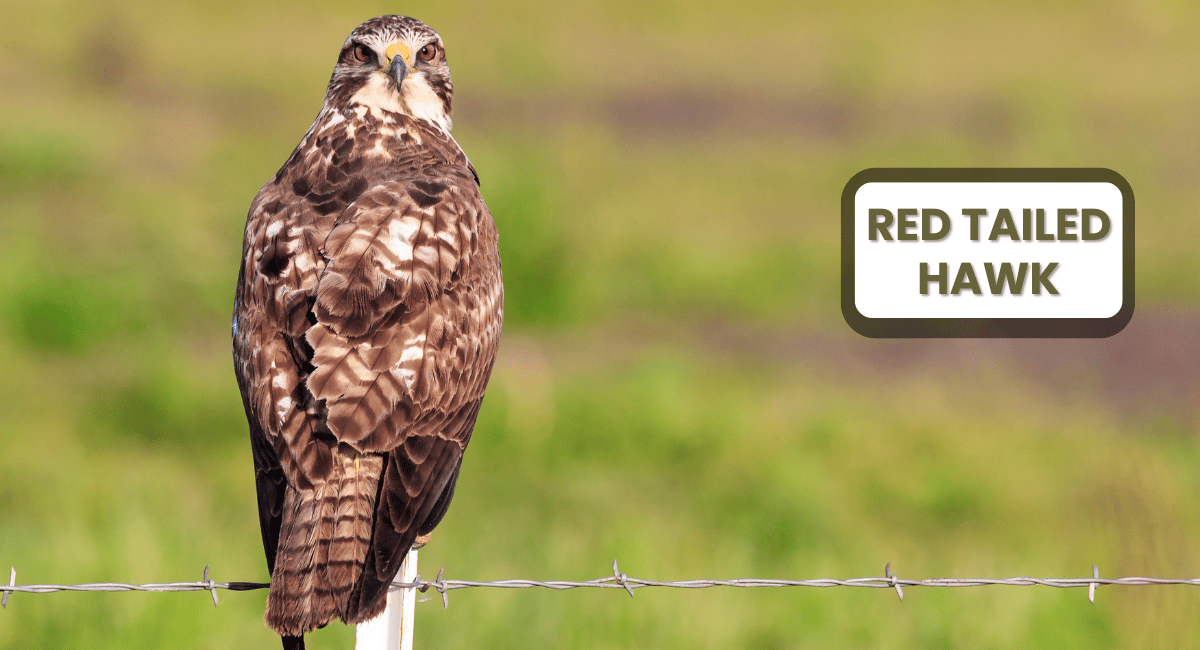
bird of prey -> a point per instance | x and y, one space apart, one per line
368 312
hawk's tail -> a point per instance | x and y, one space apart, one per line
323 539
430 462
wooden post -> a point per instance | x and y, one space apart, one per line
393 630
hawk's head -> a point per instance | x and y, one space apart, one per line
394 63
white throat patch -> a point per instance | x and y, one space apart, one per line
423 103
416 99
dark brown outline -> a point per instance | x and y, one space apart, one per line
985 327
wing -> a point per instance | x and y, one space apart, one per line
407 314
361 329
279 275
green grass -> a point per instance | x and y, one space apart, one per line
676 387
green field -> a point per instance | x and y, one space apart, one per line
676 387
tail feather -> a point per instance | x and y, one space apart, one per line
400 518
322 542
352 529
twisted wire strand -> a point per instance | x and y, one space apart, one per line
621 581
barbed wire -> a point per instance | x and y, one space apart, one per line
619 580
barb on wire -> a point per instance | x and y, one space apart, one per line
619 580
622 579
212 586
887 572
439 586
12 581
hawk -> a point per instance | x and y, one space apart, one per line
368 311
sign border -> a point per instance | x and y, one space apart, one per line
877 328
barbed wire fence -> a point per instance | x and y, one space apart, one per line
619 580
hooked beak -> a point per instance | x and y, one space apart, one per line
397 70
397 62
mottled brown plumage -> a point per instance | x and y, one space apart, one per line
368 311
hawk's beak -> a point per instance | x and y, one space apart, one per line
397 65
397 70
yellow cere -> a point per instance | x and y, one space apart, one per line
401 49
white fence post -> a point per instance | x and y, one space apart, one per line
393 630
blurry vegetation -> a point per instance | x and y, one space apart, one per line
676 387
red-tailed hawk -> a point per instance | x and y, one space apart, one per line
369 306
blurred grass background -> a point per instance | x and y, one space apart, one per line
676 387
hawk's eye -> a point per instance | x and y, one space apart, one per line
362 53
428 52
